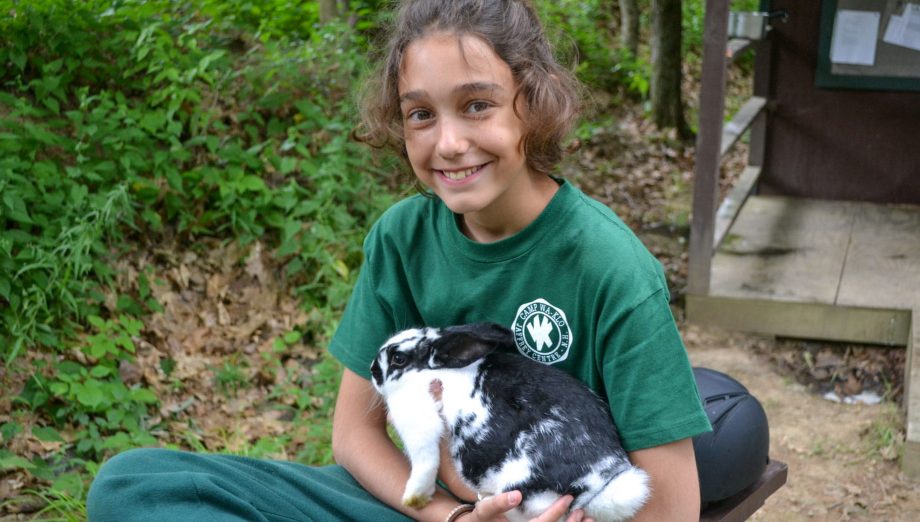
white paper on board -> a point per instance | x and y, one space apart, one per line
904 30
855 36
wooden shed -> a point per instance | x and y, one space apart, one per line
820 236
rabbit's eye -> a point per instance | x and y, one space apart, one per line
399 359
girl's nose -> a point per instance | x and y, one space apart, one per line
452 139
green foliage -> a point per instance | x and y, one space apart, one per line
884 437
106 414
693 15
230 377
126 122
171 119
317 449
587 25
61 504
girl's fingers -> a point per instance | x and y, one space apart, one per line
491 508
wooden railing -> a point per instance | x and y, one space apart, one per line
711 219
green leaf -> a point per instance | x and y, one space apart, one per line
10 430
131 325
251 183
153 121
341 268
153 219
70 484
59 389
100 346
41 470
144 395
89 394
288 164
47 434
52 104
14 462
54 66
100 371
167 365
127 304
118 441
19 59
4 287
40 134
114 416
125 342
96 321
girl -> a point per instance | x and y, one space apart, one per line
471 96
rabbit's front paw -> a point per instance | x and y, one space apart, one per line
417 497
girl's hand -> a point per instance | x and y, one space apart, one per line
494 507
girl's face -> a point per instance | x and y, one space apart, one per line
463 138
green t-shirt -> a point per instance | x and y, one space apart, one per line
576 286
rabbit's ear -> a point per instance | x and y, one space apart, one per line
460 346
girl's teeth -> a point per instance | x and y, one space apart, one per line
460 174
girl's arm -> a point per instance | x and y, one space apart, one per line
674 480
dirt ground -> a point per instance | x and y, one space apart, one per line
838 467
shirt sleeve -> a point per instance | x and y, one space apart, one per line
648 379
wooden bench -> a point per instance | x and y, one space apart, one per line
742 505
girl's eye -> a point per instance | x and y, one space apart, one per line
477 106
419 115
399 359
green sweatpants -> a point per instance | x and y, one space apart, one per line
173 486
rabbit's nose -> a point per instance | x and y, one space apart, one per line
436 388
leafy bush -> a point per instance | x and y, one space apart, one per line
126 123
590 40
107 414
151 115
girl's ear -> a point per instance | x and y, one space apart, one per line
460 346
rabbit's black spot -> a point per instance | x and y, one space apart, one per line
377 373
517 403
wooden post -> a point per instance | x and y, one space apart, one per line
758 145
910 460
708 143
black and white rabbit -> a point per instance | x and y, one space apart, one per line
512 423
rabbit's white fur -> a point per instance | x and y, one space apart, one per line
420 421
463 413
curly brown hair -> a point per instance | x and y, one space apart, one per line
514 32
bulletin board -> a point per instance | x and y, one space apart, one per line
869 44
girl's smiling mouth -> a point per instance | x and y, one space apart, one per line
455 176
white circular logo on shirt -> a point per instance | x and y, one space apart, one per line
541 332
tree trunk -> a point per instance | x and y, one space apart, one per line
629 25
667 103
328 10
